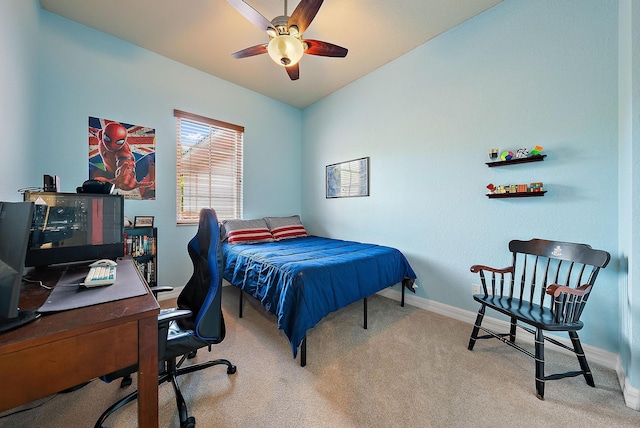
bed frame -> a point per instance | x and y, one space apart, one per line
303 346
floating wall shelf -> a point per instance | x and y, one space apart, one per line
515 195
534 158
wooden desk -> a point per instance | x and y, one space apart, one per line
64 349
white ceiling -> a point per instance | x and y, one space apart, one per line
204 33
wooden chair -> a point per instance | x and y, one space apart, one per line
546 287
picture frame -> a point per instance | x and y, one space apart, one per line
143 221
347 179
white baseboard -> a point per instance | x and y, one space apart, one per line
596 355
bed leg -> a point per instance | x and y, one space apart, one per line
365 313
402 300
240 304
303 352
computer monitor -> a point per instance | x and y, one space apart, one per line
74 227
15 226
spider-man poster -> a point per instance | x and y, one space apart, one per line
124 155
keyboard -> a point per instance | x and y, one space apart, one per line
99 276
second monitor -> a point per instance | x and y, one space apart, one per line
73 227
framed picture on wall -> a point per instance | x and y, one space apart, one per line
143 221
348 179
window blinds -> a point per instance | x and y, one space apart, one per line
208 167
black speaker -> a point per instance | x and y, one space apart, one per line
96 186
51 183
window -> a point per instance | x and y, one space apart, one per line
208 167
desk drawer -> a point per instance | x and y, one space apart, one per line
36 372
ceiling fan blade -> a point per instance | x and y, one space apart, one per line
304 14
293 72
253 50
316 47
251 14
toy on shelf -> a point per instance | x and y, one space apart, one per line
536 187
536 150
506 155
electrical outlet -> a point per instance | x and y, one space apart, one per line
476 289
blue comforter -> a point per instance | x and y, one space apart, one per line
301 280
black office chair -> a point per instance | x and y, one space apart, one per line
197 323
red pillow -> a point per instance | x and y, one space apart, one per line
247 231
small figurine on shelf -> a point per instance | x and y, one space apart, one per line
493 154
506 155
522 153
536 187
536 150
492 188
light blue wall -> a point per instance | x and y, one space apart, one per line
85 73
521 74
18 95
524 73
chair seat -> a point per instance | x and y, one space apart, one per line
529 313
181 342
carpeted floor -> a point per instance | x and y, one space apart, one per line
410 368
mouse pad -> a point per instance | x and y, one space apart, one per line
69 294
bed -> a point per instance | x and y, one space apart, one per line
301 278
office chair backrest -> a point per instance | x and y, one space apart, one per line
202 294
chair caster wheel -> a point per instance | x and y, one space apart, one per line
192 354
126 381
189 423
231 369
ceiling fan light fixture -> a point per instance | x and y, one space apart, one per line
285 50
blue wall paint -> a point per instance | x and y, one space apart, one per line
86 73
521 74
18 95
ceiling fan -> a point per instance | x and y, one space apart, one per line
286 45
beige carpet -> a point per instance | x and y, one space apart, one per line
411 368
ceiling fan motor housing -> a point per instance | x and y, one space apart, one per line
285 46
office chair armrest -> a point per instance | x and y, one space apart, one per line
174 314
161 288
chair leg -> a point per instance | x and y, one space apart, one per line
185 420
126 400
170 375
539 364
582 359
126 381
476 328
512 330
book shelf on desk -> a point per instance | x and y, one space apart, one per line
141 244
